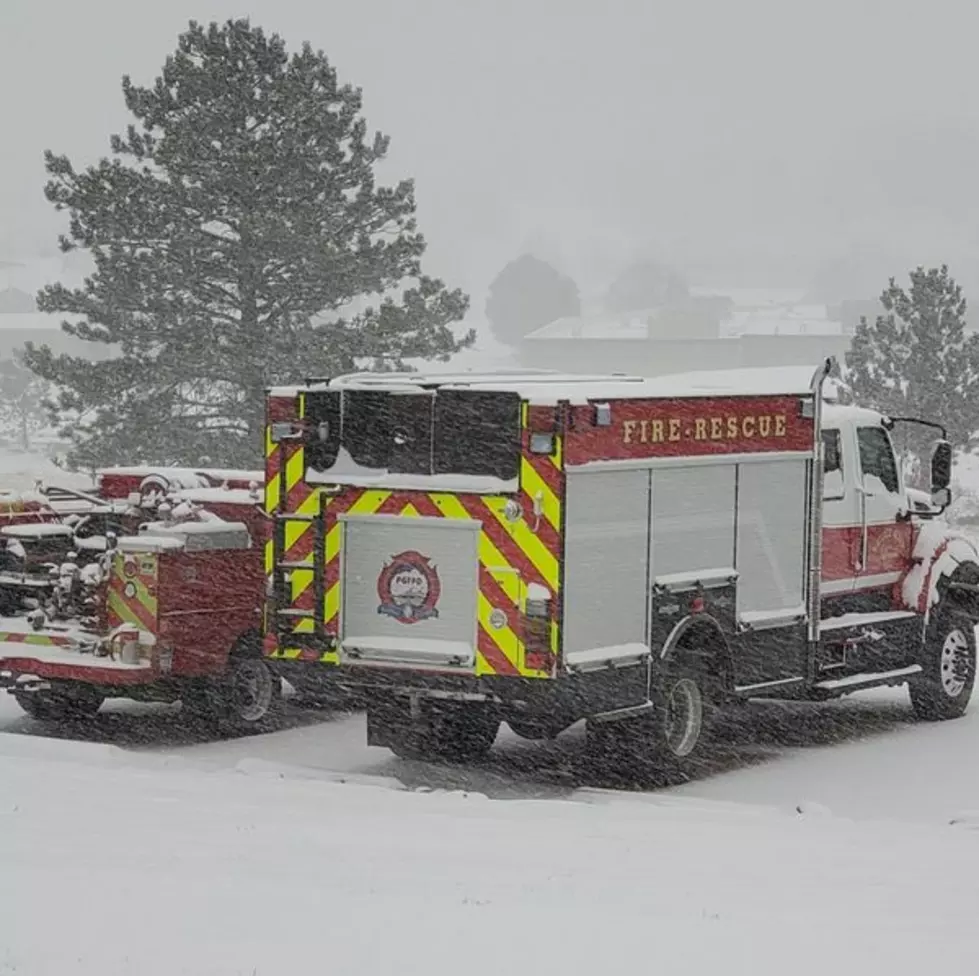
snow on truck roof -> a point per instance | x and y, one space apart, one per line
218 474
835 414
544 387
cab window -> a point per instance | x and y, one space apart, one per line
877 457
833 484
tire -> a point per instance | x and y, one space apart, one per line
666 741
943 689
248 697
450 732
46 706
252 693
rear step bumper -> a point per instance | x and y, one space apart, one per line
17 672
593 693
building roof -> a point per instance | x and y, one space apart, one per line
750 312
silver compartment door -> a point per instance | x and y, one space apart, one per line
409 590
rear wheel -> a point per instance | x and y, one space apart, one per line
667 740
254 691
447 731
47 706
248 697
944 687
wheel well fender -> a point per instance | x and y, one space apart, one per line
960 588
248 644
700 636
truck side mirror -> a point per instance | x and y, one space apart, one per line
941 466
941 475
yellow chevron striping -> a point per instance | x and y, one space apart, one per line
450 507
295 468
368 503
269 557
535 486
273 484
296 530
505 639
331 603
544 561
118 606
557 458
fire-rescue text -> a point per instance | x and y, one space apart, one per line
675 429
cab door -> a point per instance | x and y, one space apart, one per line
841 513
885 536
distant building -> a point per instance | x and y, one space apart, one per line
714 330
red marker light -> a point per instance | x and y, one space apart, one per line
697 605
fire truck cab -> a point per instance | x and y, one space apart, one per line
540 549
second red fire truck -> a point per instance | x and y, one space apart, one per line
151 587
540 549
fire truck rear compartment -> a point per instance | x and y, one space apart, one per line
409 591
645 548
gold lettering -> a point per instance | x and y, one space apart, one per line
748 426
700 429
628 429
732 428
643 431
780 425
765 425
674 429
716 429
658 436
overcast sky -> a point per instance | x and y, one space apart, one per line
748 139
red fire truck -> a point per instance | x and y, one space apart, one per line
540 549
151 589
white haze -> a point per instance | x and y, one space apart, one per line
747 142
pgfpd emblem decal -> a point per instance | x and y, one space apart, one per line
409 588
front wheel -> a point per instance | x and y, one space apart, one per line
944 687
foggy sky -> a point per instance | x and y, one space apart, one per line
749 139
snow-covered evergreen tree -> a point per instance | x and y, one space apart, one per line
22 395
918 359
231 231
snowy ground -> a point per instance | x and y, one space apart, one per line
145 848
195 860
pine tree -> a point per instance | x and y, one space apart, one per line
527 294
21 400
240 241
918 359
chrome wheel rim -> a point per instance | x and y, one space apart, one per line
684 717
955 663
252 690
